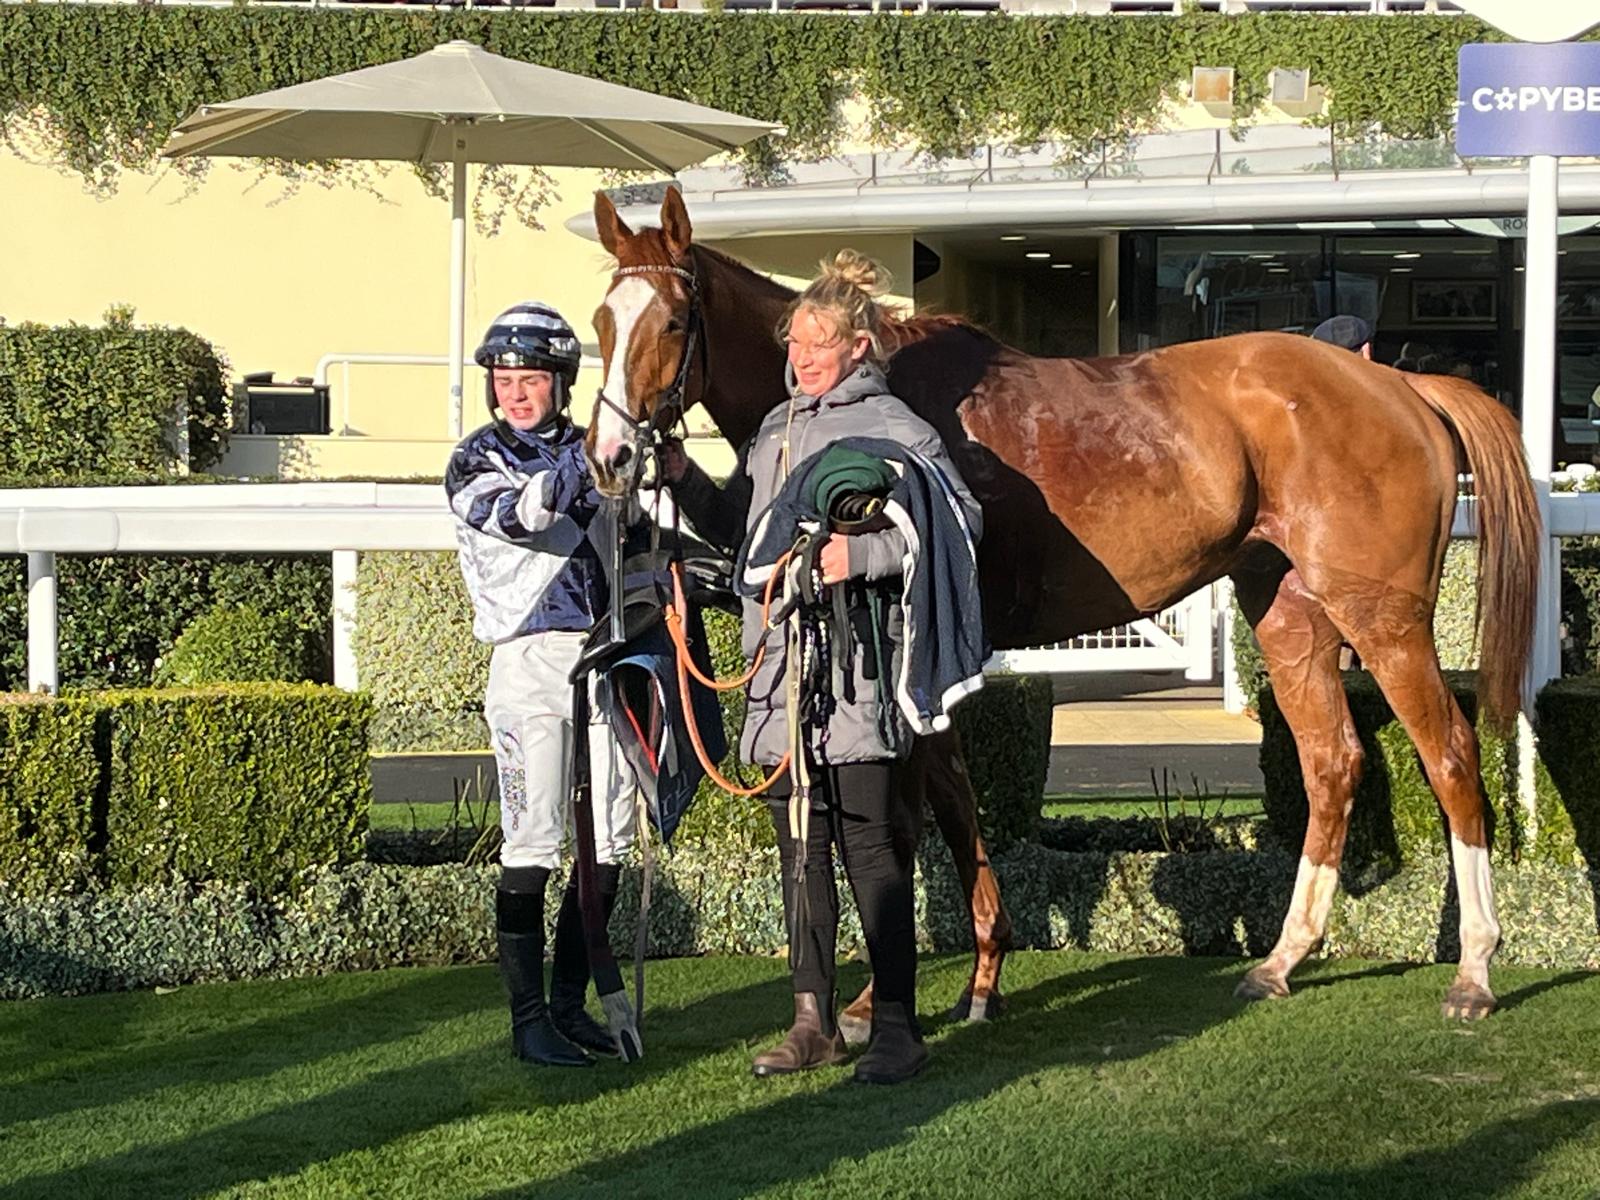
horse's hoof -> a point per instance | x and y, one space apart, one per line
1467 1002
1260 984
857 1030
972 1008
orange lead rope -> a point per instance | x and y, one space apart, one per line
686 666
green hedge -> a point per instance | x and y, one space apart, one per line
49 785
78 399
1005 739
238 643
252 784
1567 772
1454 619
367 917
416 654
1396 819
120 616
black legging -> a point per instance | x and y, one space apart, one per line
876 831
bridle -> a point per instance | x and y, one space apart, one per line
670 404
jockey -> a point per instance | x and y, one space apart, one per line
528 528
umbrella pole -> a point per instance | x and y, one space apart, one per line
458 274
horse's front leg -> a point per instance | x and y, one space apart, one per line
936 771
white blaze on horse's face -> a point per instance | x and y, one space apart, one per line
627 301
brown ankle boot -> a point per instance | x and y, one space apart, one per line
813 1040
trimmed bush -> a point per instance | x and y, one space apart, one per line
1580 605
237 643
366 917
49 788
416 654
254 784
251 784
120 615
1454 624
1005 738
1173 833
1396 818
103 400
1567 774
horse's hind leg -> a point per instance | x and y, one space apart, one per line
937 772
1301 648
1407 669
955 807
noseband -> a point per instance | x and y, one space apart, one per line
669 406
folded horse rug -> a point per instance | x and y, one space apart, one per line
944 646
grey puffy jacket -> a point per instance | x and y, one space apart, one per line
860 406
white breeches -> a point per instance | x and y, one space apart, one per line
529 711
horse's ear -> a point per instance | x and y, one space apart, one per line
675 223
610 225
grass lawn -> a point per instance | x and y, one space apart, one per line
1109 1078
1142 806
441 816
436 815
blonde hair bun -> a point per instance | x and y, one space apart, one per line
843 293
854 269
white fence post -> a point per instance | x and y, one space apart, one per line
42 674
1199 635
345 674
1233 697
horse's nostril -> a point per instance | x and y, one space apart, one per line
622 457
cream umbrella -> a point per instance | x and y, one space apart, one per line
460 104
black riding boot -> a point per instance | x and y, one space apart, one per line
569 975
896 1051
519 921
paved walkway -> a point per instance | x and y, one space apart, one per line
1135 723
1099 747
1112 748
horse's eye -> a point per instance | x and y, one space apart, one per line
674 325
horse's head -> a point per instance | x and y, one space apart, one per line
648 325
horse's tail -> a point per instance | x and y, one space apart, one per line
1508 536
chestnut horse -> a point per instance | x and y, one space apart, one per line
1322 483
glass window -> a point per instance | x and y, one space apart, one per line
1211 286
1435 301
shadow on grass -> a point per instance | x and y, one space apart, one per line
481 1080
820 1130
240 1051
1085 1018
228 1049
1523 994
1503 1156
1304 982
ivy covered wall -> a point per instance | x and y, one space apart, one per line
104 85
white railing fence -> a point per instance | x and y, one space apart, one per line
343 519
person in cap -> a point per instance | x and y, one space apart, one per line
529 527
1348 332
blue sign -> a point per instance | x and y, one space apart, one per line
1517 99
